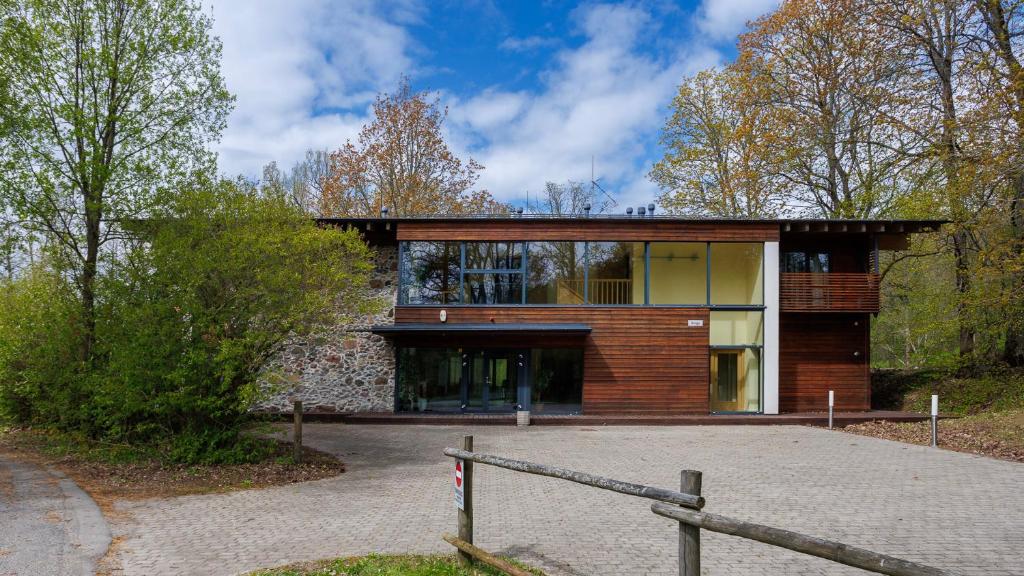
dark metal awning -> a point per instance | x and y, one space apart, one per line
441 329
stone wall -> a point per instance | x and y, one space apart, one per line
343 368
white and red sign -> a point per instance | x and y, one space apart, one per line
459 493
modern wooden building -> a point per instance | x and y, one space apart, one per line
631 314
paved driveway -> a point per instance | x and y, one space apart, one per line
48 525
952 510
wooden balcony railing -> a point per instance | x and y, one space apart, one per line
603 291
828 292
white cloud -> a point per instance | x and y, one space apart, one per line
287 60
527 44
724 19
305 73
605 98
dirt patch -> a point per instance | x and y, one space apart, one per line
107 482
998 435
6 485
109 564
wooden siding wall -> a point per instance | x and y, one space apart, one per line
817 355
596 229
636 360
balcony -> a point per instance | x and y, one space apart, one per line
601 291
828 292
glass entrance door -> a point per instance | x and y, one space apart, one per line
491 381
735 380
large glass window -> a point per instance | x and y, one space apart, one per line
485 280
737 328
488 380
493 288
494 255
555 273
805 262
679 273
430 273
737 273
429 379
602 273
556 380
615 274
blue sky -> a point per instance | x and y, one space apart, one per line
534 89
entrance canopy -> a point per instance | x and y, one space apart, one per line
483 328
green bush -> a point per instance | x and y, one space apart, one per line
38 361
201 295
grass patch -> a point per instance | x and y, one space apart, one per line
999 389
113 471
377 565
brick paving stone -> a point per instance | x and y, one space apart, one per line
956 511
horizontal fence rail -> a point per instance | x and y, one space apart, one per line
651 492
828 549
828 292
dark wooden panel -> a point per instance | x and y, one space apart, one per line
818 354
583 229
636 360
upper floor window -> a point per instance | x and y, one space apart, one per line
555 272
805 261
572 273
431 273
737 273
615 272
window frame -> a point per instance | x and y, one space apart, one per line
523 270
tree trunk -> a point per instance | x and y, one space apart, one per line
1013 348
93 214
995 16
963 288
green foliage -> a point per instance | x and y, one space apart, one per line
918 322
376 565
38 339
207 290
998 389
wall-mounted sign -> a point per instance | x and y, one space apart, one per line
459 493
695 323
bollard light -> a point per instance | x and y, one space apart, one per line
831 404
935 420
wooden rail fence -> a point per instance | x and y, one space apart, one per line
684 506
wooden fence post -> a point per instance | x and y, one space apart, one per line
466 512
689 536
297 433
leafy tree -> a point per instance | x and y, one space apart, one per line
103 103
568 199
832 84
999 64
721 157
401 162
304 184
935 36
216 281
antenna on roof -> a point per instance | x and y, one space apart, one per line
609 201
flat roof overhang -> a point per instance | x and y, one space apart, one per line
514 329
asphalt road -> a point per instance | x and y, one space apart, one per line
48 525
